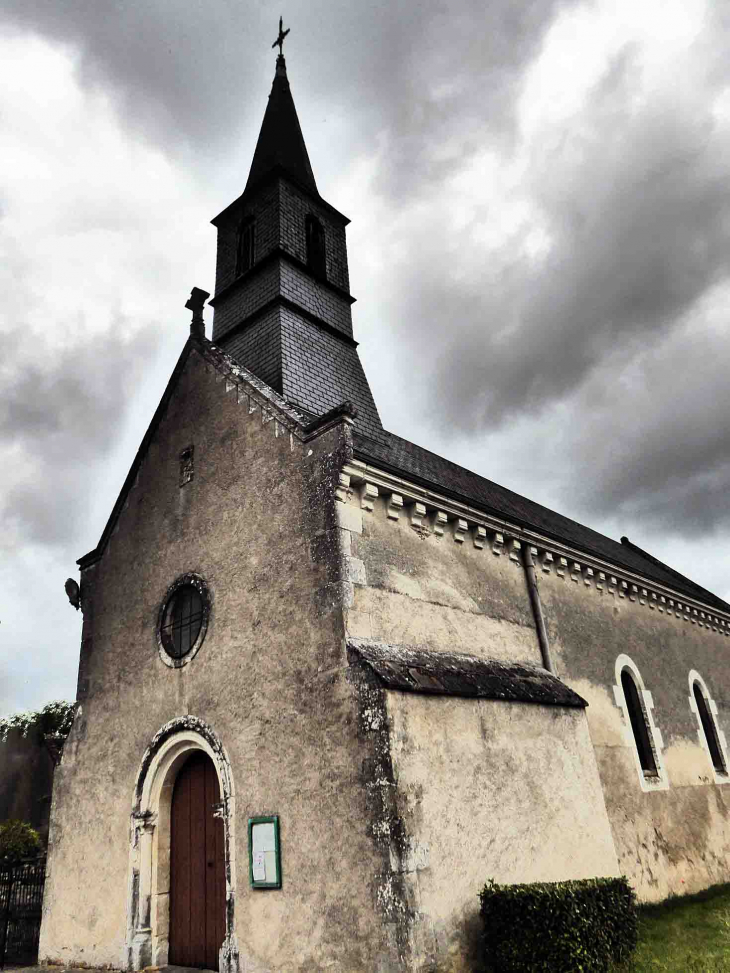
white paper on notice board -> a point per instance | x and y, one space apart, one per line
263 837
263 841
259 867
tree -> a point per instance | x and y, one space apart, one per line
17 841
54 720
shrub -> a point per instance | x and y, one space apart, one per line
560 927
17 841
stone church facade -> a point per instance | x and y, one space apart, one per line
409 678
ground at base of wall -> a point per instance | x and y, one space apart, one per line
688 934
57 968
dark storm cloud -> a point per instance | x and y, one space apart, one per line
639 218
191 73
175 68
658 454
632 192
452 88
61 413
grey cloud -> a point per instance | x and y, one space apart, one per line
641 230
634 197
174 69
454 87
661 458
61 414
191 75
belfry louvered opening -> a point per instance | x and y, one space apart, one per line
245 253
316 257
639 725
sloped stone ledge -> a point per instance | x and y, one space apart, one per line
420 670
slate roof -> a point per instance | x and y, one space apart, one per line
320 371
281 143
420 670
420 465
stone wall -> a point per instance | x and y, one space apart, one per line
431 572
26 781
672 835
477 789
435 588
270 680
489 789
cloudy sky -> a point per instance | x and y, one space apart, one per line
540 248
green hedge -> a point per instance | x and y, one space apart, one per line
560 927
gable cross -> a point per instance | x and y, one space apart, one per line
280 39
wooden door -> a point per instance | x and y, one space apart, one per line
197 868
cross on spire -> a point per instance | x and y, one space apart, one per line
280 39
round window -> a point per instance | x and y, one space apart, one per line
183 619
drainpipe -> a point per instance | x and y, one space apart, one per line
542 635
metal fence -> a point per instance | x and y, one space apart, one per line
21 902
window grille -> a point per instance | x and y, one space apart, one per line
182 621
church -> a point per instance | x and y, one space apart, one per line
331 683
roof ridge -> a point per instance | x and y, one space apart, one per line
667 567
499 486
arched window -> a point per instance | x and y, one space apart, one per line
710 735
638 725
639 731
245 252
316 260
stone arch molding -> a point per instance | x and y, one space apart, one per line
694 677
661 782
148 909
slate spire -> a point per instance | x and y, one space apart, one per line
281 143
283 306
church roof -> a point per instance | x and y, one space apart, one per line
394 454
281 143
420 465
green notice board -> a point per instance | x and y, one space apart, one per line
264 852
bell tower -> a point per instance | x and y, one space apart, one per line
282 293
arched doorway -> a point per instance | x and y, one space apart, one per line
164 771
197 866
